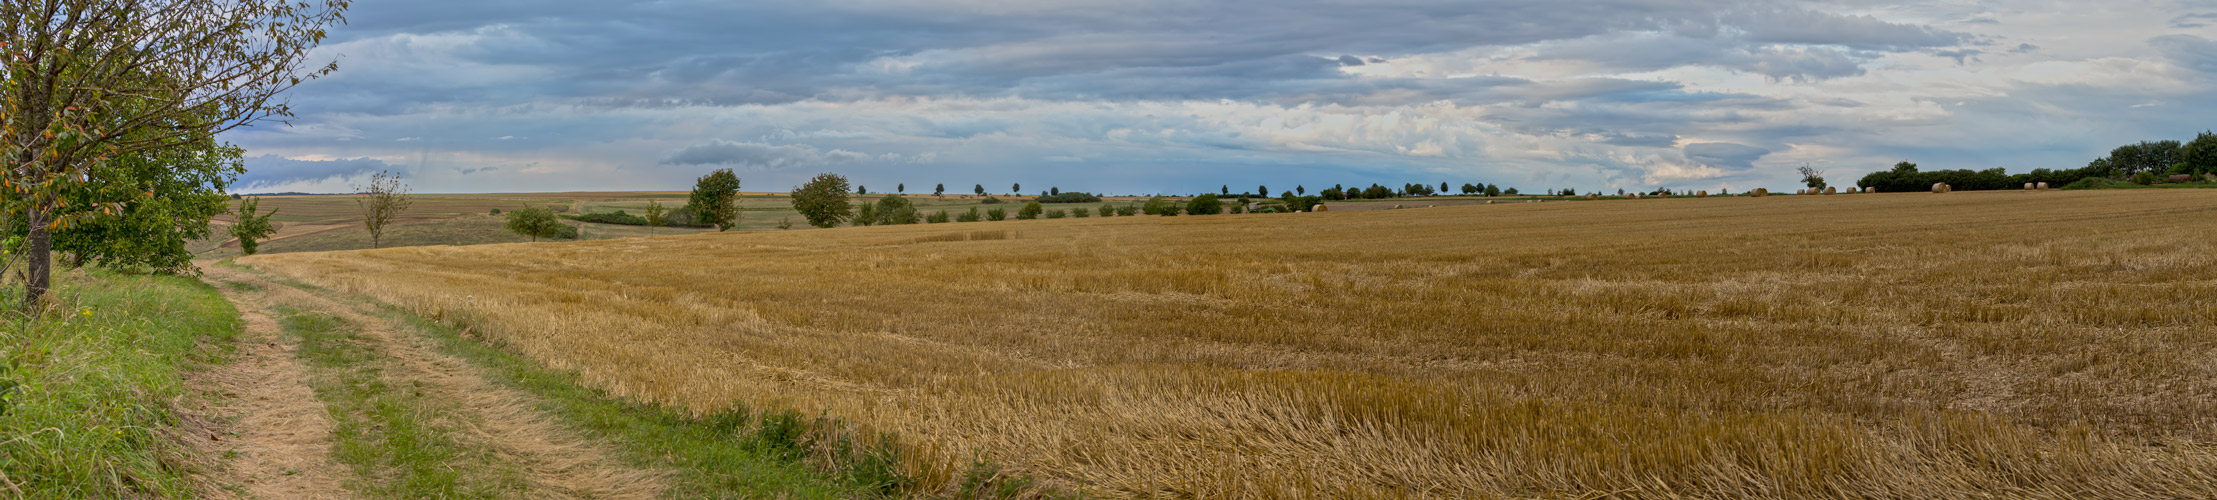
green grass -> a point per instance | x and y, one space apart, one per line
386 432
88 387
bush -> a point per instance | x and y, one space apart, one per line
2144 178
1081 212
1031 211
996 214
2097 183
1206 204
1127 211
991 201
496 211
1057 213
1239 209
1070 197
1107 211
866 215
1303 203
1171 211
1155 206
937 218
894 209
973 216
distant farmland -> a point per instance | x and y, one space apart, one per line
1968 345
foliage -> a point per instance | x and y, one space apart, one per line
867 215
1069 197
1081 212
715 199
939 217
972 216
1206 204
895 209
1155 205
2200 155
1031 210
251 228
1127 211
784 223
1057 213
2098 183
536 222
656 216
2147 156
616 217
940 190
996 213
989 200
89 81
144 210
382 200
1303 203
2143 178
1906 178
1811 177
823 200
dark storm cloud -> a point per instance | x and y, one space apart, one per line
272 170
1725 155
757 155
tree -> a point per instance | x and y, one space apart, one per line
1206 204
88 81
2147 156
2201 154
1510 192
149 205
1051 191
382 200
895 209
1031 210
861 190
535 222
823 200
940 191
656 215
867 215
1016 189
980 190
900 188
1305 191
1443 186
250 228
1263 191
1226 190
1812 177
715 199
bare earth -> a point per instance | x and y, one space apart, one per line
267 415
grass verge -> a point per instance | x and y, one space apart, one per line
85 391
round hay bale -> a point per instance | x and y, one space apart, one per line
1701 194
1396 207
1592 196
1320 207
1759 192
2043 186
1939 187
1831 190
2028 186
1872 189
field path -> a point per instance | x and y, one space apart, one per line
269 419
555 461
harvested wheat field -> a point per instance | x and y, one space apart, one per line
1964 345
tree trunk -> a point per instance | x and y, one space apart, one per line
39 260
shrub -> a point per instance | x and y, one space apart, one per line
496 211
536 222
996 214
1206 204
1106 211
939 217
1070 197
895 209
991 201
866 215
616 217
973 216
1031 211
2143 178
1171 211
1155 206
1081 212
1127 211
1057 213
1239 209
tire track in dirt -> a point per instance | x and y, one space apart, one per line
273 434
556 461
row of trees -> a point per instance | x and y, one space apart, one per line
2143 161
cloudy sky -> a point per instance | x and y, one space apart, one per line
1142 96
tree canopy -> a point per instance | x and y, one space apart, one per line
823 201
715 199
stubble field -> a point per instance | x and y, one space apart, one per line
1968 345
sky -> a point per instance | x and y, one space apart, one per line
1182 96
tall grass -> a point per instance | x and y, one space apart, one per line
2012 344
86 389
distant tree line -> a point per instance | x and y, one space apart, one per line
2144 162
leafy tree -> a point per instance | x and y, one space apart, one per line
535 222
823 200
251 228
2147 156
867 215
1810 176
1443 186
715 199
1031 210
940 191
1262 190
1510 192
146 206
2201 154
382 200
896 209
1303 191
900 188
1154 206
1051 191
980 189
973 216
862 190
1469 189
90 81
1206 204
656 215
1017 188
1226 190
